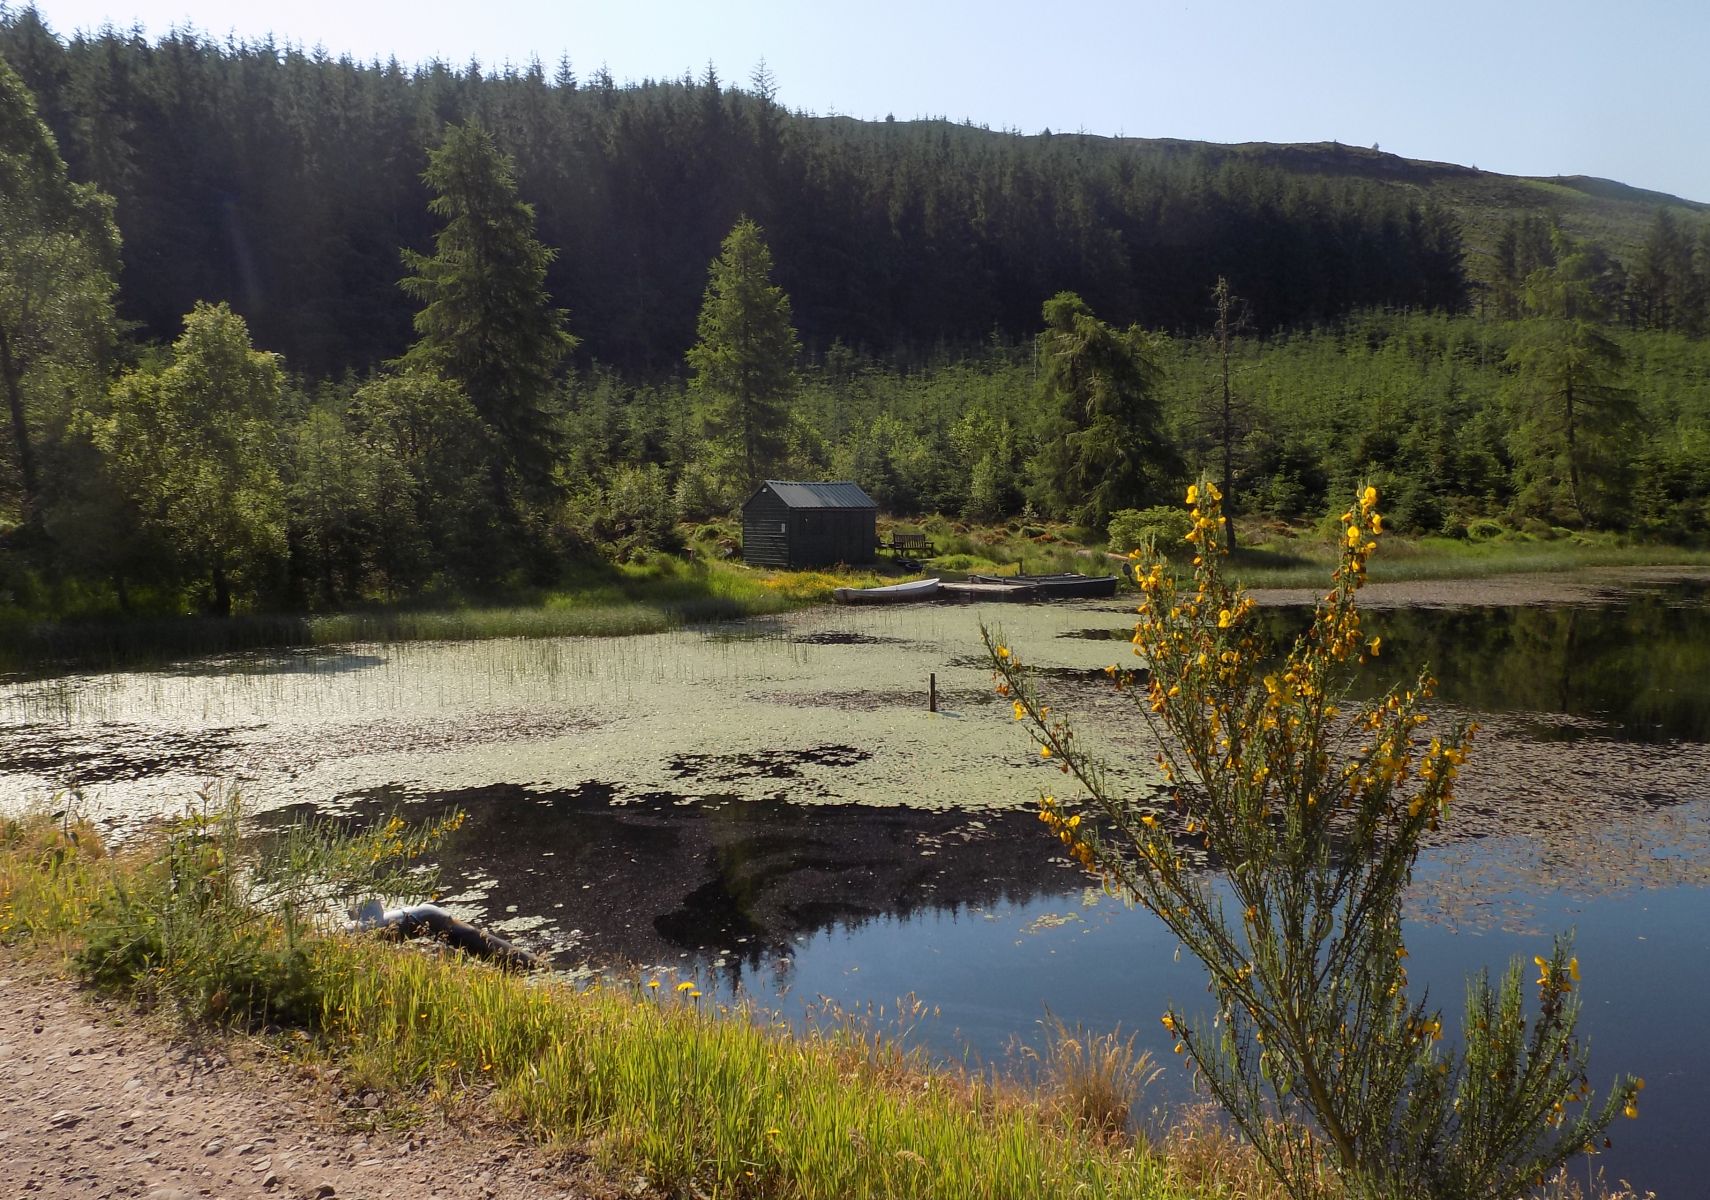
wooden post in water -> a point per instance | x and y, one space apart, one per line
932 692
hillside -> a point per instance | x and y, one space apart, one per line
1615 214
287 184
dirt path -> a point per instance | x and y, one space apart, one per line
96 1102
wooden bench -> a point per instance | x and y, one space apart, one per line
908 543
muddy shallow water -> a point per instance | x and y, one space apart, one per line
769 806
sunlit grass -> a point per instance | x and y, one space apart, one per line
700 1096
649 1079
647 1076
650 597
666 592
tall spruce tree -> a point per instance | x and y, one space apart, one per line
1104 449
744 362
486 320
59 252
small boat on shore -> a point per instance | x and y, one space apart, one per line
895 593
1065 586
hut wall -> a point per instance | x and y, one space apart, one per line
766 531
824 537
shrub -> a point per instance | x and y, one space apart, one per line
1162 528
640 511
702 492
220 929
1321 816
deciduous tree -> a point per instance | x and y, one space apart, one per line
194 445
1569 410
58 254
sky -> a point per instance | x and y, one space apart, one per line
1618 89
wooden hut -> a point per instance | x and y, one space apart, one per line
786 524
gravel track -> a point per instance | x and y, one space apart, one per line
96 1101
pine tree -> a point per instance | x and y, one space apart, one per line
744 362
1103 450
486 320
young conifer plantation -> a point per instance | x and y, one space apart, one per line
482 329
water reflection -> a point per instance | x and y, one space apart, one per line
1636 667
1640 670
656 880
973 912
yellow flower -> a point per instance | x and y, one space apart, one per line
1193 494
1368 499
1377 522
1003 651
1020 712
686 986
1632 1109
1149 821
1573 969
695 994
653 983
1353 535
1044 752
1224 619
1375 646
1169 1022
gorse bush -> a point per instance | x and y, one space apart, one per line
1315 816
1161 527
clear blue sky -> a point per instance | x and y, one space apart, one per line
1619 88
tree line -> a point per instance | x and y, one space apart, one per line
284 181
488 447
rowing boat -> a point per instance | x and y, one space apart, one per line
895 593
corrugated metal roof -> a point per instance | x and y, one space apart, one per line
841 494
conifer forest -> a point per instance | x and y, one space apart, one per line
280 330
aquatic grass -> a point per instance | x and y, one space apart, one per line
1095 1080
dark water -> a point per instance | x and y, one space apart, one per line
1638 669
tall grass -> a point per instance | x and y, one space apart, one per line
647 1078
650 1078
650 597
704 1097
